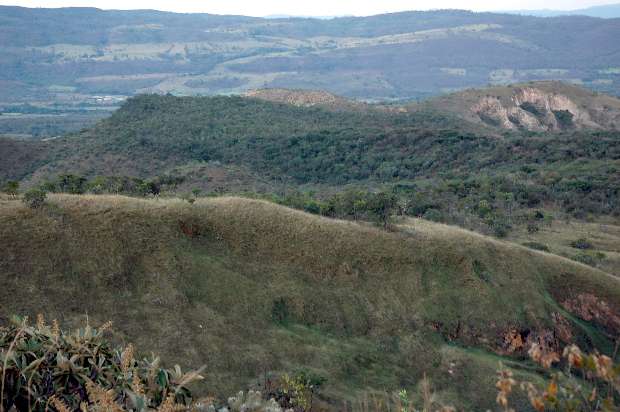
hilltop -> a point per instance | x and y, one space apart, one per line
307 98
536 106
248 288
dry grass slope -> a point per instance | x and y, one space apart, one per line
368 309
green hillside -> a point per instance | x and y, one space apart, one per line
274 145
247 288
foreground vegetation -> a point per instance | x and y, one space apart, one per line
45 368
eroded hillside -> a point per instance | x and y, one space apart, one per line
538 106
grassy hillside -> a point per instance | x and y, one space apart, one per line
247 287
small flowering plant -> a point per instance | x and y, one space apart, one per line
43 368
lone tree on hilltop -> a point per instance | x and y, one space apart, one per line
382 205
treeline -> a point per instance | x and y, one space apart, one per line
352 204
131 186
490 205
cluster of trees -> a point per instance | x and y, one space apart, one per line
352 204
491 205
33 198
11 188
77 184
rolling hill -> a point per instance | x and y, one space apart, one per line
236 144
249 288
85 56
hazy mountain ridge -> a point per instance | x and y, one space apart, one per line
607 11
74 55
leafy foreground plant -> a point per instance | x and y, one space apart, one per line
590 383
44 368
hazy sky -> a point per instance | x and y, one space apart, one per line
310 7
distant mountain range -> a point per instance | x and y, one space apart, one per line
89 57
608 11
290 16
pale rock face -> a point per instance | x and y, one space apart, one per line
532 109
491 110
525 119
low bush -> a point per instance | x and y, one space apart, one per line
34 198
585 259
536 246
532 228
581 243
500 227
587 382
433 215
11 188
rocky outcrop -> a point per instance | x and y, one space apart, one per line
535 109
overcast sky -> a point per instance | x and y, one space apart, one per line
310 7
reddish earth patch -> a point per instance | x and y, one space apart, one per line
592 309
189 229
